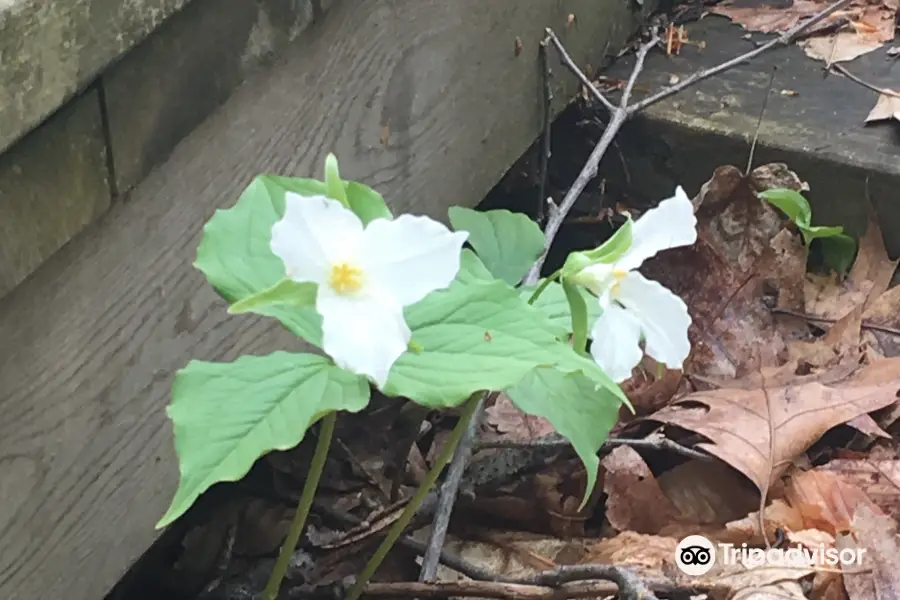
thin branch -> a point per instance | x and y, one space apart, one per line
567 60
503 591
660 444
629 585
448 492
544 162
782 40
618 117
879 90
816 319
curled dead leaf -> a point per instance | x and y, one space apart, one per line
760 431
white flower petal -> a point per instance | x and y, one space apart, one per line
364 333
669 225
663 317
315 232
411 256
615 342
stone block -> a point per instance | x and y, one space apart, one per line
172 81
53 183
51 49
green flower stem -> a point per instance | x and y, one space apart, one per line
578 308
540 289
306 499
409 512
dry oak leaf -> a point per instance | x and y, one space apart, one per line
876 536
514 425
878 478
634 499
738 422
825 501
744 258
887 107
868 278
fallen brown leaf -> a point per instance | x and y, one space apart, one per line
879 479
514 425
884 311
876 535
737 421
743 260
870 24
634 499
887 107
825 500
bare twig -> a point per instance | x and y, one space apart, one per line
618 117
782 40
544 161
659 443
448 491
762 111
878 90
567 60
503 591
816 319
629 585
223 563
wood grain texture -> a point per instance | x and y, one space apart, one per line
90 343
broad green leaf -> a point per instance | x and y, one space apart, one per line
236 258
508 243
286 292
555 306
573 404
366 202
472 269
227 415
578 308
791 203
234 253
838 251
474 336
608 252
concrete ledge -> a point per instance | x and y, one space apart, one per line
51 184
817 127
50 49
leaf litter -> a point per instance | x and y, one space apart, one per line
785 362
862 26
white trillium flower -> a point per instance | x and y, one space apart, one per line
365 275
636 308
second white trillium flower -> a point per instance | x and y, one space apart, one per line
636 308
365 275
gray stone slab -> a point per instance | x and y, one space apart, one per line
53 183
50 49
812 121
170 82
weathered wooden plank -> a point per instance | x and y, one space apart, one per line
91 341
53 183
170 82
51 50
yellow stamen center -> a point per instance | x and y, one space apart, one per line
345 279
618 276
